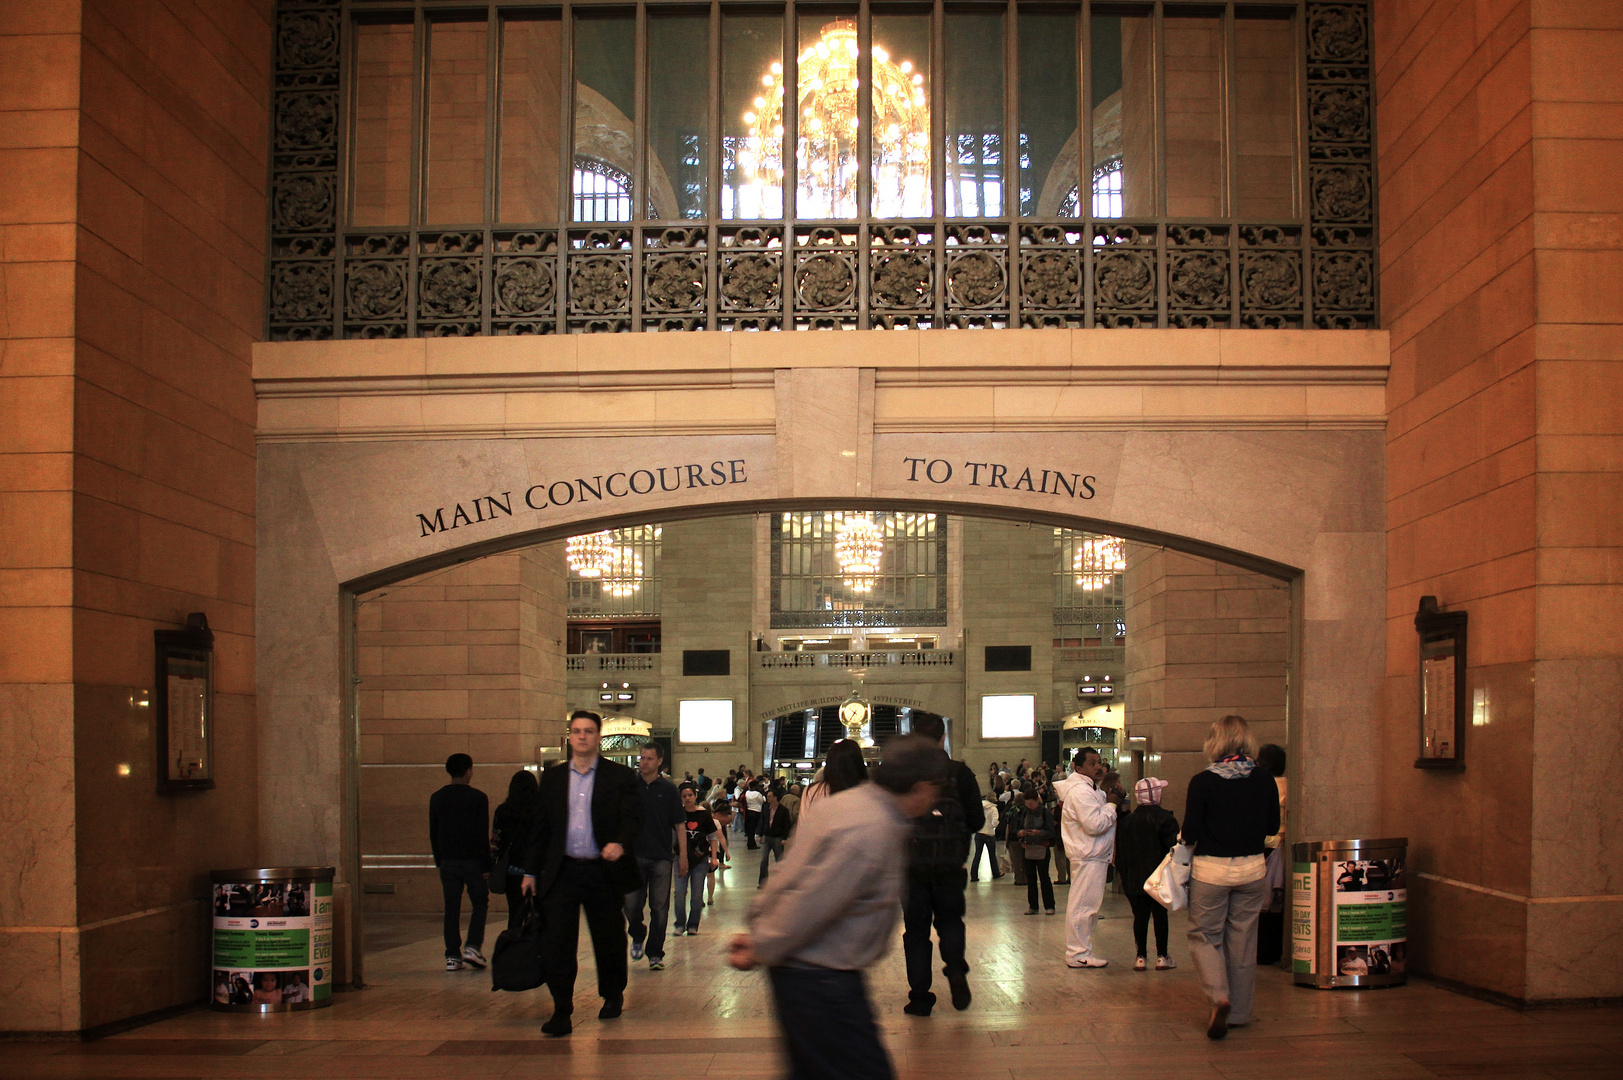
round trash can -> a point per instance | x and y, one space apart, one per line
1349 913
272 939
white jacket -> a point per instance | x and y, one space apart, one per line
1087 823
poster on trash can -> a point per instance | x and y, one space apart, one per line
1372 918
1304 929
272 943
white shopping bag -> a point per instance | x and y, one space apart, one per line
1169 884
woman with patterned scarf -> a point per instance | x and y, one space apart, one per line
1231 811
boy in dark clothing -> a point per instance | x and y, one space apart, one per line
459 835
1142 840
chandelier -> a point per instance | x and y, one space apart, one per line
623 577
859 546
1098 559
826 154
591 555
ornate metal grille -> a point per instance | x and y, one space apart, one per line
704 268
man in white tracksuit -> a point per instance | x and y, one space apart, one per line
1088 828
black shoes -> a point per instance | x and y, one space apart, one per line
960 989
611 1008
558 1026
1219 1026
919 1008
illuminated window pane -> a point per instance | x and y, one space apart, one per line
826 150
381 145
1107 201
900 122
454 172
605 97
973 155
1048 91
751 116
529 120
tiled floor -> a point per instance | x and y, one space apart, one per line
1033 1019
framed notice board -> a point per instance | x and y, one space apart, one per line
183 700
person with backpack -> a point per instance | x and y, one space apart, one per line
936 880
1142 841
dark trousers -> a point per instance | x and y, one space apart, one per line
752 824
655 891
987 844
1037 873
1145 907
456 875
770 846
938 899
583 884
828 1025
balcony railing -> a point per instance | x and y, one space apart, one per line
1093 654
931 658
613 663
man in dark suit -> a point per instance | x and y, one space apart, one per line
580 858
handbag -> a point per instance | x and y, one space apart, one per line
1168 885
498 872
515 961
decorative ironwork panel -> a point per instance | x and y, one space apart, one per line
1270 277
1198 290
901 276
1052 260
450 283
826 275
304 195
750 282
1341 166
675 276
1124 275
524 283
599 297
377 268
977 276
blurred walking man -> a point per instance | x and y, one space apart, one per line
830 909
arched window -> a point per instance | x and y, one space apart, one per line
1107 202
602 192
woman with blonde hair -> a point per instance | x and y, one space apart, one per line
1230 812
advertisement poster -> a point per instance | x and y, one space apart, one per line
1372 921
1304 936
272 943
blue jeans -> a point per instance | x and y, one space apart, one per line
655 891
690 895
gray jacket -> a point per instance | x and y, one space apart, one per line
833 902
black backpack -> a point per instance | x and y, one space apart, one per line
940 839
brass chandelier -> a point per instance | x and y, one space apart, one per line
859 548
826 155
590 555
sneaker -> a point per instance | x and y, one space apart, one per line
636 950
1164 963
656 965
680 931
473 958
1087 962
454 963
1031 911
1140 964
693 931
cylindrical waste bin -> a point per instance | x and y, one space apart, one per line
272 939
1349 913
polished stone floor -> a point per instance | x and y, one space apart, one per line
1032 1019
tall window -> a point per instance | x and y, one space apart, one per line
849 569
1088 571
614 573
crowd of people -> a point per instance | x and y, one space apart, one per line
846 856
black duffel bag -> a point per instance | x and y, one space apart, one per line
515 961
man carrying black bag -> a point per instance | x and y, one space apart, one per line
579 859
515 961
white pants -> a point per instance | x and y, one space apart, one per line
1082 907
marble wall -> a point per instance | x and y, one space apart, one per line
1204 639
